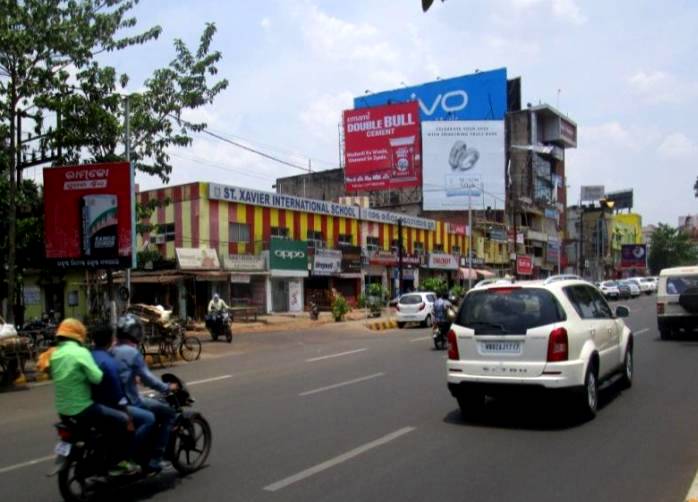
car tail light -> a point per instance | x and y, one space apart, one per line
421 306
503 291
558 346
660 308
452 346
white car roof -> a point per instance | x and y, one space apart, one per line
678 271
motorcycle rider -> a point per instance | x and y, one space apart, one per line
129 332
73 371
216 304
110 392
441 306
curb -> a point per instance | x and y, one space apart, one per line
382 325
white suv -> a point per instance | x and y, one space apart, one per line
677 301
558 334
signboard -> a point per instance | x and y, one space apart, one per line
498 234
240 279
285 254
197 259
551 214
524 265
560 130
295 295
592 192
553 253
244 262
392 218
408 274
459 159
442 261
456 228
32 295
385 258
622 199
633 256
280 201
88 214
382 147
327 262
351 259
479 96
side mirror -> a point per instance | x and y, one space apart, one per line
622 311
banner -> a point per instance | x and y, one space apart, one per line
463 164
524 265
88 215
633 256
382 147
443 261
197 259
327 262
351 259
285 254
479 96
244 262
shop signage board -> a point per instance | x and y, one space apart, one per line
633 256
442 261
244 262
295 295
89 215
351 259
592 192
498 234
456 228
393 218
553 253
385 258
327 262
524 265
382 147
229 193
408 274
197 259
286 254
240 279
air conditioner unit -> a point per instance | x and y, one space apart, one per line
160 239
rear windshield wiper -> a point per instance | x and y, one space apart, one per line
485 324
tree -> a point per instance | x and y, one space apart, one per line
49 63
695 188
669 247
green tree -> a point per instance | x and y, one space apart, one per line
49 52
435 284
669 247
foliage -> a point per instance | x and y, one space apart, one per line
340 307
376 290
435 284
362 301
458 291
669 247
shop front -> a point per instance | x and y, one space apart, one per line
443 266
288 264
248 280
348 283
327 264
378 269
203 277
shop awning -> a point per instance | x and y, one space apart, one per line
485 274
465 273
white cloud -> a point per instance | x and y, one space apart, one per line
265 23
325 112
567 10
677 145
658 87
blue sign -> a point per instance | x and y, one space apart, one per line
480 96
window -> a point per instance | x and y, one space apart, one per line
438 248
279 233
603 311
419 247
315 239
239 232
163 233
345 239
455 249
588 303
373 243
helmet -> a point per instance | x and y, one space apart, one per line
216 297
129 327
72 329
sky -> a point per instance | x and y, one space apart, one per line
624 71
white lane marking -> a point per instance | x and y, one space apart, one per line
26 464
334 355
341 384
641 331
420 339
692 494
337 460
207 380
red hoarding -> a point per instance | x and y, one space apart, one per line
524 265
382 147
88 211
633 256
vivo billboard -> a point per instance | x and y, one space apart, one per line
480 96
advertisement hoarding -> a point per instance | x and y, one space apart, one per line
479 96
351 259
461 158
197 259
285 254
633 256
592 192
442 261
327 262
381 147
524 265
88 211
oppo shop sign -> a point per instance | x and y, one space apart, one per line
286 254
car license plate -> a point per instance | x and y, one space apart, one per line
500 347
62 449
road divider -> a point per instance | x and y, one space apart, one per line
382 325
337 460
341 384
331 356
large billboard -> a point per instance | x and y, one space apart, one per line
88 212
633 256
463 165
480 96
381 147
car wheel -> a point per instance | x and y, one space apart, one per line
628 368
471 404
427 321
400 324
588 399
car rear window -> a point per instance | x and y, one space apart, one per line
411 299
509 311
676 285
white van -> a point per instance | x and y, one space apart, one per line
677 300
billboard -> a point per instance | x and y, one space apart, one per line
89 212
592 192
381 147
463 164
480 96
633 256
524 265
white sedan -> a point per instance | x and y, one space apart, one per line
416 307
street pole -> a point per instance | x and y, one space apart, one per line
127 142
399 254
470 239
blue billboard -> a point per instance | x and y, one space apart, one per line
480 96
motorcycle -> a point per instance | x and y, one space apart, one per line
82 453
314 311
218 324
439 335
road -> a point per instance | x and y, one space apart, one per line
345 414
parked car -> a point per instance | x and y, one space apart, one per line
416 307
623 290
633 286
535 335
610 289
649 284
677 301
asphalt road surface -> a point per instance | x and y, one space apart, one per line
344 414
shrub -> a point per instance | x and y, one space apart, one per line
362 301
435 284
340 307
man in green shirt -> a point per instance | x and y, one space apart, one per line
73 371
